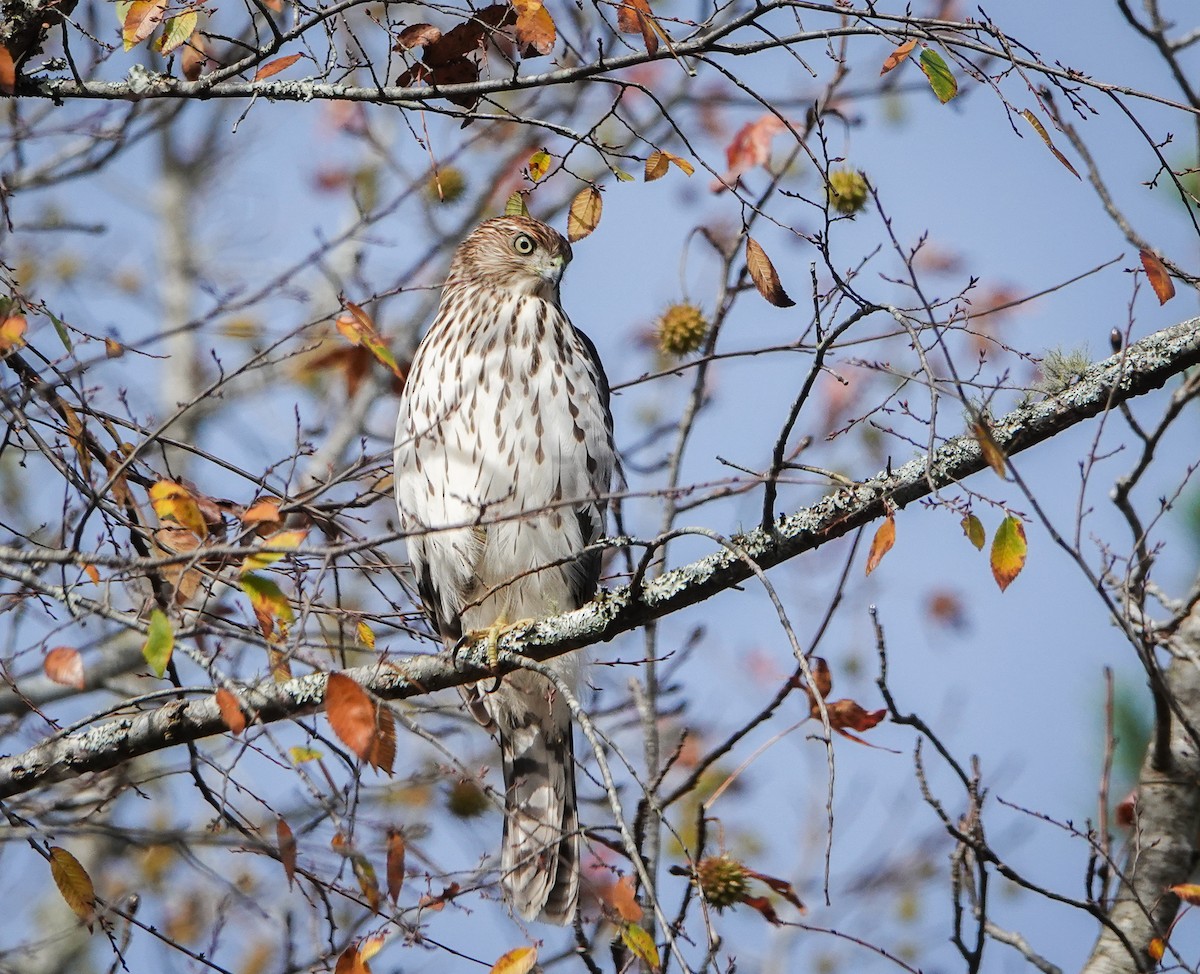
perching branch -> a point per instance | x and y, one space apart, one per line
1139 369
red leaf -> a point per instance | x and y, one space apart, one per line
274 67
763 905
351 714
8 71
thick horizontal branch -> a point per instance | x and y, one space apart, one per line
1141 368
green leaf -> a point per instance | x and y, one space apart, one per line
516 206
160 640
973 529
176 31
61 329
940 78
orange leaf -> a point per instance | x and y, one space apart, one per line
281 540
383 748
352 715
287 849
274 67
634 17
885 537
624 900
395 863
764 275
74 884
898 56
1158 277
534 30
64 665
1156 949
1188 892
8 71
518 961
231 711
822 679
351 962
988 447
358 329
141 19
194 57
584 215
264 511
1008 551
92 572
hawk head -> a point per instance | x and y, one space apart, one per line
512 253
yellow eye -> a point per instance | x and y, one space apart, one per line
523 244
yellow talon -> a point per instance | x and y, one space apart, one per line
492 634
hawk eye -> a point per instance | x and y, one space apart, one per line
523 244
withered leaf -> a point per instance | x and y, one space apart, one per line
881 544
64 665
274 67
8 71
231 711
898 56
395 863
764 275
1156 274
417 35
74 884
584 215
287 848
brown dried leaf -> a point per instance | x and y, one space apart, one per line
1041 130
74 884
821 677
781 887
287 848
764 275
898 56
194 57
231 711
417 35
584 215
657 166
763 905
395 863
635 17
383 748
64 665
274 67
989 447
885 537
351 962
1156 274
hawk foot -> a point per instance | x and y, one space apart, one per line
492 634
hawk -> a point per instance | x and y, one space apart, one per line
504 457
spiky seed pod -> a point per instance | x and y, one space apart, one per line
446 185
847 191
722 880
466 799
681 329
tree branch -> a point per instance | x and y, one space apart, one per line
1140 368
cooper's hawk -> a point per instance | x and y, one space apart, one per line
504 455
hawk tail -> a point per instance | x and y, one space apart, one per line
539 856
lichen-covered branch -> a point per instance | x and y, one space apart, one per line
1141 368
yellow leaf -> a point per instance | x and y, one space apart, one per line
12 332
173 502
284 541
1008 551
642 945
517 961
680 163
358 329
365 635
539 165
74 884
763 273
584 215
160 641
973 529
885 537
176 31
301 754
